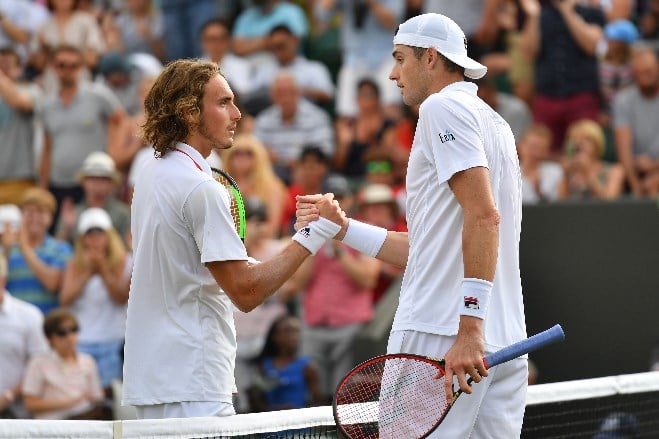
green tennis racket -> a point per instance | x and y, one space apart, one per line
237 205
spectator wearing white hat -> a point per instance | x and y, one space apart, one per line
95 287
99 179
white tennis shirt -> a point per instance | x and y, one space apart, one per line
458 131
180 336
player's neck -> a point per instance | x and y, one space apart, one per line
198 144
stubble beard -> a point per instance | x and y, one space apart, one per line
214 142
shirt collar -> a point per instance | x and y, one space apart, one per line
465 86
194 155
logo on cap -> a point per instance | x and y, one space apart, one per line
465 41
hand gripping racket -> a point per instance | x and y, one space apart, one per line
399 396
237 205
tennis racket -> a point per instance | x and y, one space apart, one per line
400 395
237 206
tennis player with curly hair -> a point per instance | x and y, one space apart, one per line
190 265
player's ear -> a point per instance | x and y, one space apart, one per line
431 57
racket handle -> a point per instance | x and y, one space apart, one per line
551 335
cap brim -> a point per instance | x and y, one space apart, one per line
473 69
114 177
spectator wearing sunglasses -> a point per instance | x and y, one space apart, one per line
95 287
62 383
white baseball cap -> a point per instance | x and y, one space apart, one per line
94 218
443 34
98 164
10 214
376 193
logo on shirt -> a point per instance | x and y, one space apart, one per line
471 302
446 137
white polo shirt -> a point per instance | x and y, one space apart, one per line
180 336
21 336
458 131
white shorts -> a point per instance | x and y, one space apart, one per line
494 410
185 409
346 89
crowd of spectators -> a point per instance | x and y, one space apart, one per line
577 80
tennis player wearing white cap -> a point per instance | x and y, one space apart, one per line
461 295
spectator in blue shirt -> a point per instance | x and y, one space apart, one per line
36 260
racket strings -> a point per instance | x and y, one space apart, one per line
399 398
234 207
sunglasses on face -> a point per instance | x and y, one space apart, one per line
66 330
67 66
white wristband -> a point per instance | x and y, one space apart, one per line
366 238
475 295
313 236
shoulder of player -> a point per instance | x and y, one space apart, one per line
446 104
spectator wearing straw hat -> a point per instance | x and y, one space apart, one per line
36 259
20 339
99 179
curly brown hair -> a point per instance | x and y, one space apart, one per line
174 102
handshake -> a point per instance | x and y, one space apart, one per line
317 219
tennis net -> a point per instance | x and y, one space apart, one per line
573 409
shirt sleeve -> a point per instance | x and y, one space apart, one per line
452 136
207 212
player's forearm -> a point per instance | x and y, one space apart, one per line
248 285
396 249
480 245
